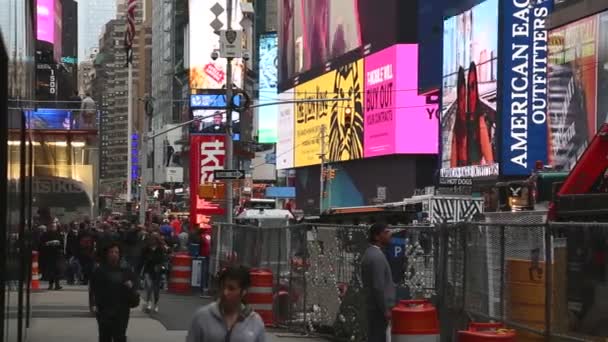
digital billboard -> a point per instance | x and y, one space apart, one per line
343 120
397 118
206 73
286 124
207 153
311 33
267 115
574 85
524 105
469 93
212 121
45 20
48 118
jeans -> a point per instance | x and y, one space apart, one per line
204 274
152 286
113 329
74 271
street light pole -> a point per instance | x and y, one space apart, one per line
228 164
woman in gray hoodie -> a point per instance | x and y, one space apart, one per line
229 319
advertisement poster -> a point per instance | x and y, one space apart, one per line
314 32
206 73
397 118
469 117
45 20
572 91
268 115
211 121
524 62
343 120
286 123
207 153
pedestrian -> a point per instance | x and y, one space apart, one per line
51 242
114 290
71 250
154 256
229 318
378 286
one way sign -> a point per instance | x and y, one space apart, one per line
228 174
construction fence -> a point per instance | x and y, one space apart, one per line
549 281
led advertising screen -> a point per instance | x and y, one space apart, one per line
211 121
286 123
573 88
207 153
267 115
311 33
45 20
343 120
469 89
49 118
397 118
206 73
524 86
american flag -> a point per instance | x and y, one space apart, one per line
130 33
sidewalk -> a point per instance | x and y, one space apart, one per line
63 316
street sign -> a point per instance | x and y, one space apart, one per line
231 43
228 174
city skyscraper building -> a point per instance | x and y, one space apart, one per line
92 18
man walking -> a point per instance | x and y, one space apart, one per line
378 283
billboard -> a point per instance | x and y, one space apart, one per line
469 93
397 119
45 20
49 118
286 124
267 115
524 59
311 33
343 120
212 121
206 73
573 85
207 153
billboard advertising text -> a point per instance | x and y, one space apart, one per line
45 20
206 73
267 115
286 124
397 119
343 120
524 86
469 115
312 33
573 88
207 153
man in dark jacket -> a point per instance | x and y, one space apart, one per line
378 285
113 288
52 245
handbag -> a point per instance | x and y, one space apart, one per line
134 298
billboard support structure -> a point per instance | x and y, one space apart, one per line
229 142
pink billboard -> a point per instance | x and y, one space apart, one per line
398 120
45 20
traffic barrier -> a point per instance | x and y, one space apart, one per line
35 284
181 273
525 290
480 332
259 296
415 320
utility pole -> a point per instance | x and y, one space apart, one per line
322 177
229 143
143 186
129 131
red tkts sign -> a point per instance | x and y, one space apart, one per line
207 153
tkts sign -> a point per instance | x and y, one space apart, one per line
207 153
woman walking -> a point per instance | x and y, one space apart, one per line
154 256
115 295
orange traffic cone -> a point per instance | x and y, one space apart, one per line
35 285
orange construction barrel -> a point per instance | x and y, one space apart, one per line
181 273
259 295
480 332
35 285
415 320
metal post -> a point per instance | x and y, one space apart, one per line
322 176
129 130
143 189
229 152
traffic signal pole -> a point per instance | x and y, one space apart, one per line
228 163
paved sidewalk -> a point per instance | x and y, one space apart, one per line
63 316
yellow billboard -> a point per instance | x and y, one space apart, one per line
343 119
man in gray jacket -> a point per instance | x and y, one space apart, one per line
378 283
228 320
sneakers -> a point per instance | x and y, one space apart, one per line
149 307
145 306
156 308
